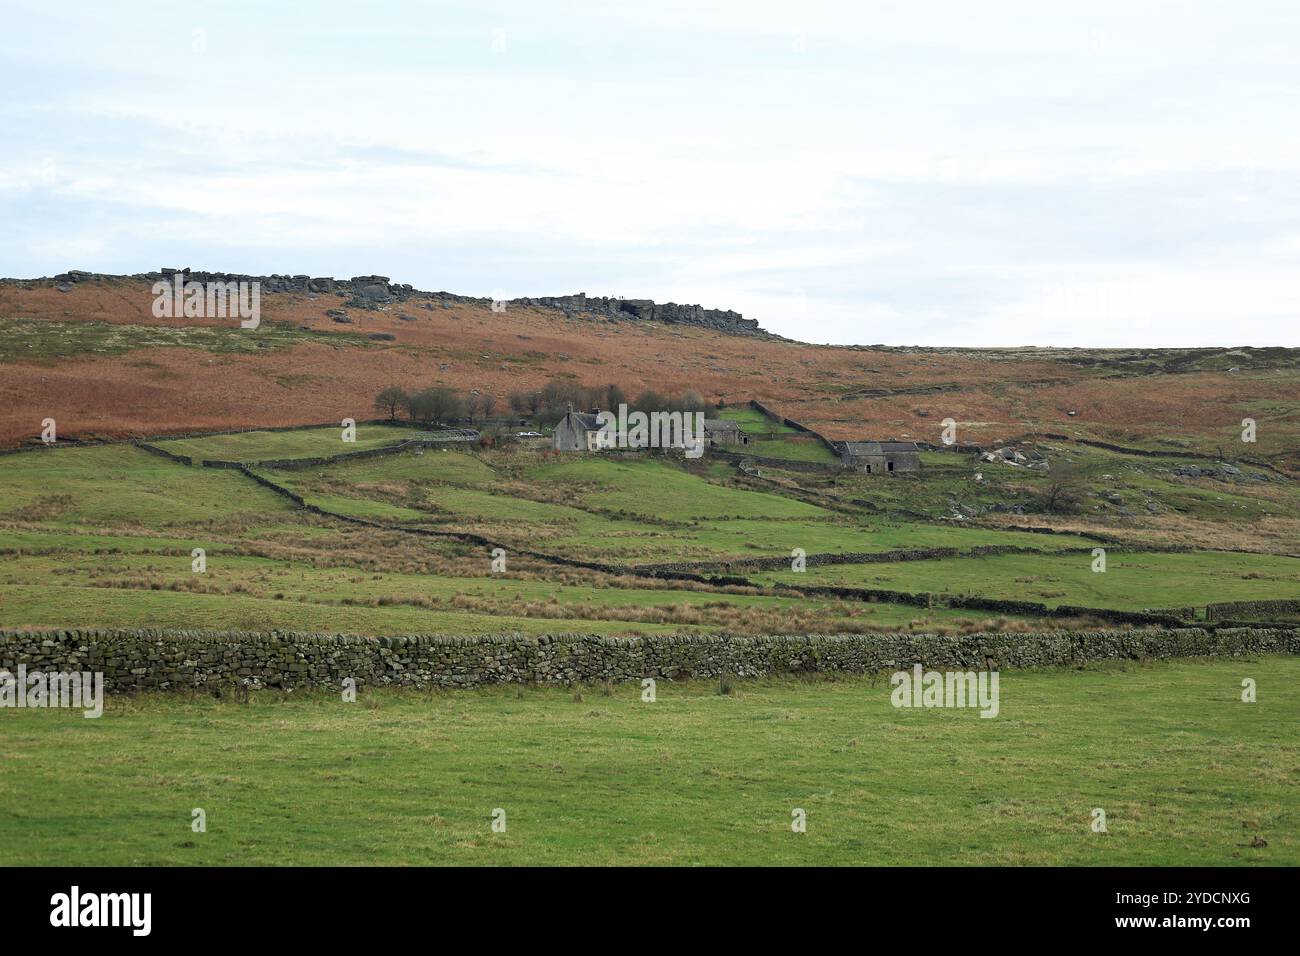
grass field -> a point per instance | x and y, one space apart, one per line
754 422
102 536
634 512
1130 582
772 439
120 485
258 593
1186 773
300 443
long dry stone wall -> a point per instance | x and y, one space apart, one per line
1248 610
163 659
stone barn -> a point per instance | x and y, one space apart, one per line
881 457
718 431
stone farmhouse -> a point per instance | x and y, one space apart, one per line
577 431
881 457
580 431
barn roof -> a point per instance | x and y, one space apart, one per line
720 425
878 447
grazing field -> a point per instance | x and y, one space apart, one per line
300 443
1186 773
1131 581
123 486
629 511
255 593
772 439
102 536
754 422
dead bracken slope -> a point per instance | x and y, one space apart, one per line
92 356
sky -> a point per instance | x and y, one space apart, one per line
948 174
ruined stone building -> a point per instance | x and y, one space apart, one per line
881 457
718 431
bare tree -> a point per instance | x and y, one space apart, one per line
389 400
1064 491
417 406
614 397
650 401
444 404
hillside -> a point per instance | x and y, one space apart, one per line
87 351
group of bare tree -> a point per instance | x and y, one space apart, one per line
544 406
430 406
550 403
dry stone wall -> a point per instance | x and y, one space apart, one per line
134 660
1251 610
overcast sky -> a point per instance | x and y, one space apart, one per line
949 173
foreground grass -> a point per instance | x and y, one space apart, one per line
1186 772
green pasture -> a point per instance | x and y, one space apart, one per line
1131 581
1186 773
300 443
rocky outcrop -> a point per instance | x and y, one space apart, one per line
372 292
670 313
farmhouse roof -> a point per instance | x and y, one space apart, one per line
586 420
